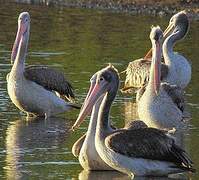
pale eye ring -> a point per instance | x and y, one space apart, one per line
101 78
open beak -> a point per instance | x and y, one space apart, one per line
91 98
20 32
166 33
157 66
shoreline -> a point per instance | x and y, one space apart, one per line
151 7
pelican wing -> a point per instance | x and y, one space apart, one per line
140 92
176 94
137 73
148 143
50 79
78 145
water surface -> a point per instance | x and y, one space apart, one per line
77 42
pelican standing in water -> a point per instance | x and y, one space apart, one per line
175 70
141 151
32 89
84 147
161 105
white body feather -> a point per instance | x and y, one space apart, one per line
159 111
33 98
179 70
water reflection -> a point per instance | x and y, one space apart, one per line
105 175
30 140
130 110
114 175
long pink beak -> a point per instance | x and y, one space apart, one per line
157 68
89 102
21 30
88 94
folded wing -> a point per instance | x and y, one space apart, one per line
148 143
50 79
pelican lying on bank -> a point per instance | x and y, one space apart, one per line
141 151
32 89
161 105
84 147
175 70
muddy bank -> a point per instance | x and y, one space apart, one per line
152 7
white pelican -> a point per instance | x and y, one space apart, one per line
141 151
161 105
179 68
32 89
175 70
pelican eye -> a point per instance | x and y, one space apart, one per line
101 79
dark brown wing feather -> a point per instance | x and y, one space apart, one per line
135 124
176 94
148 143
137 73
50 79
140 92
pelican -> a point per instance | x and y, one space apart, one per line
141 151
175 70
84 147
179 68
161 105
32 88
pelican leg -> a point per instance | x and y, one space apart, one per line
47 115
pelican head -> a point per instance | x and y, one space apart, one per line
22 33
156 37
107 83
156 34
178 22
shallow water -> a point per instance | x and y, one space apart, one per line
77 42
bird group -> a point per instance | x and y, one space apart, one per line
143 147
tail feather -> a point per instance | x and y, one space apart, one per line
190 169
183 159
